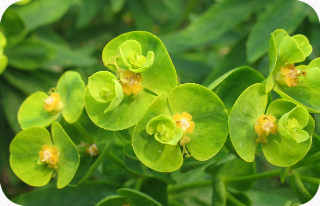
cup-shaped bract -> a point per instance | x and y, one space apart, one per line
247 113
131 54
39 109
105 88
291 124
164 130
204 140
34 143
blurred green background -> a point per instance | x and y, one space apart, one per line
204 38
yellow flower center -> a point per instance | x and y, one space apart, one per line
49 155
264 126
53 103
184 121
290 75
131 82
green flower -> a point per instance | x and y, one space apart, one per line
131 54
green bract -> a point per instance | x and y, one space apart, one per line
105 88
70 88
292 123
164 130
298 84
209 134
131 54
24 156
277 149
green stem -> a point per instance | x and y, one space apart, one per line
253 177
312 180
87 137
177 188
307 160
233 200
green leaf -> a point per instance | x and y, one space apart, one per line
16 33
127 113
115 200
250 105
228 87
40 13
286 14
3 40
87 194
236 168
30 54
290 51
209 115
24 154
214 22
3 63
156 189
137 198
158 78
157 156
69 158
32 113
117 5
71 89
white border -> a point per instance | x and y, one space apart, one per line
4 4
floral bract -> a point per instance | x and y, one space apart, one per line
131 54
39 109
34 158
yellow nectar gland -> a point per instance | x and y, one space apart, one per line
290 74
49 155
264 126
53 103
184 121
92 150
131 82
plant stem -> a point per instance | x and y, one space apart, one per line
312 180
258 176
87 137
307 160
234 200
